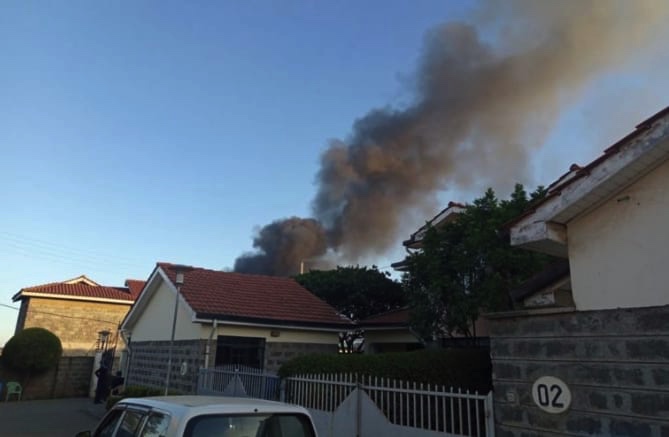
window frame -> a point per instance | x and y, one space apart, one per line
144 411
154 412
303 418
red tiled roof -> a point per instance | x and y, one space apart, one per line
237 296
135 287
395 317
82 290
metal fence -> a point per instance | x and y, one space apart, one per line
408 404
240 381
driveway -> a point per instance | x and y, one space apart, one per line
55 417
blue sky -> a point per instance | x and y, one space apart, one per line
136 132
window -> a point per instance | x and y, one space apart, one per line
130 423
257 425
109 423
156 425
244 351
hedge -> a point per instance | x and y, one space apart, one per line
463 368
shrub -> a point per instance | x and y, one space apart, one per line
465 368
32 351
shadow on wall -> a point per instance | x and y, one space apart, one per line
71 378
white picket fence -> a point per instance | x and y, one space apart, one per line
347 404
239 381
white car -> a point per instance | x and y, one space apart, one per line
203 416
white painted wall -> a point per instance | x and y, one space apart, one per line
285 335
618 252
155 323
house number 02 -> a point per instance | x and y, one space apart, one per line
551 394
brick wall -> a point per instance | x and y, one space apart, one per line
278 353
615 363
76 323
70 379
148 364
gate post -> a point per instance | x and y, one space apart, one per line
358 406
489 416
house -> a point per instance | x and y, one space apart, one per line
222 318
595 324
415 241
389 332
603 215
77 311
414 244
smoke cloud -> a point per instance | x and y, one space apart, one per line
487 92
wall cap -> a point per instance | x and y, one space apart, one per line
529 312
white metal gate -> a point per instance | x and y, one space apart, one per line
346 404
239 381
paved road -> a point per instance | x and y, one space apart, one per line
54 418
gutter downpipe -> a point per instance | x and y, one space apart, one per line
127 338
207 348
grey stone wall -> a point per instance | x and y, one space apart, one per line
71 378
148 364
616 364
278 353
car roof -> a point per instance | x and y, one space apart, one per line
212 405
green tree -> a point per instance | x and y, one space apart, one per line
467 266
31 352
357 292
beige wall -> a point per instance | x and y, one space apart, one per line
618 252
155 323
285 335
76 323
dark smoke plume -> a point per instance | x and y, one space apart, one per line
282 244
481 106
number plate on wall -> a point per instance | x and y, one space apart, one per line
551 394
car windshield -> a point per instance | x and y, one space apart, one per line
256 425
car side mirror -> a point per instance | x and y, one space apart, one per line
83 434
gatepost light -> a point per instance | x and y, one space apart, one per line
103 337
179 271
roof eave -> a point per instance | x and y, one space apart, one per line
400 266
141 301
278 323
543 237
384 326
643 153
73 297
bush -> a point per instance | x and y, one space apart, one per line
464 368
32 351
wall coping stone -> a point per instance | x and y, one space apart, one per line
531 312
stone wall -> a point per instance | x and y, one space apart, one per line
148 364
71 378
278 353
76 323
615 363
